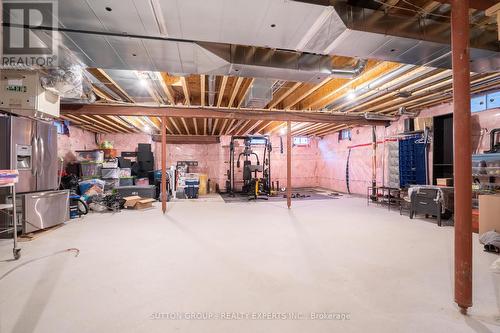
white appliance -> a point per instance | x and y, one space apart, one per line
22 93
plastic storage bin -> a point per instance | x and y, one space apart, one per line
126 181
112 173
125 172
112 163
142 182
96 156
92 186
90 169
191 191
111 184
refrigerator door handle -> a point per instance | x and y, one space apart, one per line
42 153
34 164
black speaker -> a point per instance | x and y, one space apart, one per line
143 147
145 156
124 162
146 165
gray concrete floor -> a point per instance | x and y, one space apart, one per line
388 273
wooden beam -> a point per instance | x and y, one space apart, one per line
430 7
121 91
235 126
214 128
495 11
281 96
340 87
222 90
125 124
246 89
242 127
75 121
185 90
229 127
202 89
195 123
185 125
163 164
310 88
307 129
221 131
89 121
175 125
102 76
97 123
275 127
206 112
477 4
289 164
189 139
163 78
236 88
251 128
113 124
264 125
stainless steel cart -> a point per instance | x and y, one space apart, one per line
12 207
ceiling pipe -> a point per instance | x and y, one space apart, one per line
350 72
211 89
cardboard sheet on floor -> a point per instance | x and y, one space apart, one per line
136 202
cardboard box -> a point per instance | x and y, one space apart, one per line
136 202
475 220
489 212
444 181
421 123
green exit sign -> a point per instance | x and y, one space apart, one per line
21 89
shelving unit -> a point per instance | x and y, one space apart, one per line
485 175
12 207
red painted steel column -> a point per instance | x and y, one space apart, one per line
462 150
289 164
164 164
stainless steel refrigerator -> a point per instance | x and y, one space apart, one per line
30 146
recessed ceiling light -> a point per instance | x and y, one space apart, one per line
108 9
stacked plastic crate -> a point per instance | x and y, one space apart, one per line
110 173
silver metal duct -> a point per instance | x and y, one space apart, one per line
374 34
259 94
211 90
260 62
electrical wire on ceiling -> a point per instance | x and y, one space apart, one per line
421 10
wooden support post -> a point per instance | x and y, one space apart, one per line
289 164
462 153
164 164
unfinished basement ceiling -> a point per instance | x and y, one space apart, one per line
215 53
275 24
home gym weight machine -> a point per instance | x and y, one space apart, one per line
256 171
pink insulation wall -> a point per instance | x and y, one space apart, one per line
77 139
212 158
323 163
331 168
